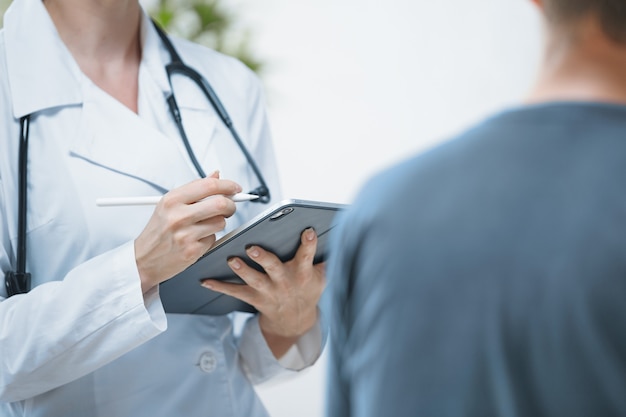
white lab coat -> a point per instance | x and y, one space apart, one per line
85 342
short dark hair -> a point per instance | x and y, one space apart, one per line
610 13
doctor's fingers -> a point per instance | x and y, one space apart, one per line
194 241
259 285
201 230
293 272
256 281
243 292
180 216
198 189
276 270
305 254
215 206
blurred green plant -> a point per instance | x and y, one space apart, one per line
206 22
3 6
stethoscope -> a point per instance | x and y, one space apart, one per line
18 281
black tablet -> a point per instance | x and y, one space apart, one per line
277 230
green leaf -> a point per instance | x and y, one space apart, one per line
211 18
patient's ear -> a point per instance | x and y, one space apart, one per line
538 3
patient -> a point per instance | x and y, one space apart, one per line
498 287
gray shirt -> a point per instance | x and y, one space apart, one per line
487 277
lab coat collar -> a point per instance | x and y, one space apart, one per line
42 72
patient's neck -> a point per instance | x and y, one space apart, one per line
582 65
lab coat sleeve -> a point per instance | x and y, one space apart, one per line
63 330
259 362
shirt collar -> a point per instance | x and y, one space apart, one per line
42 73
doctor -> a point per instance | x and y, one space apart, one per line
91 337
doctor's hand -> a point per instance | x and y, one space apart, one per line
182 228
286 295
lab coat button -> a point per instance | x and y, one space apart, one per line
208 362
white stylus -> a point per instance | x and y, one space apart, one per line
152 200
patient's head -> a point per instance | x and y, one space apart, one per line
610 14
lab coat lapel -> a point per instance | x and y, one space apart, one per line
115 138
41 71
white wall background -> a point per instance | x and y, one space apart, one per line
355 85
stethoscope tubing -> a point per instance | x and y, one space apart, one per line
177 66
23 195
